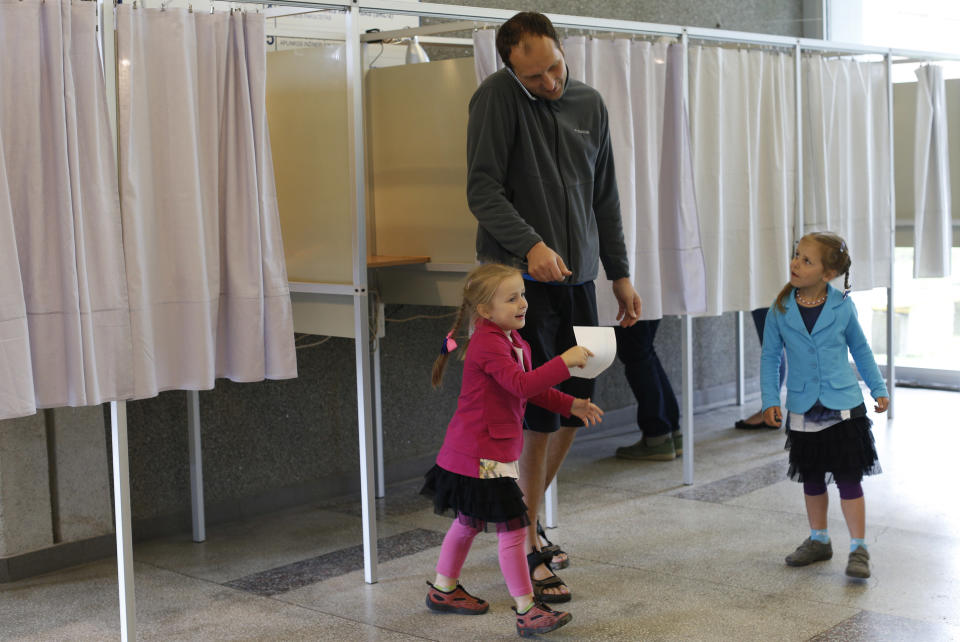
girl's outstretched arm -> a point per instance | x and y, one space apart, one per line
503 367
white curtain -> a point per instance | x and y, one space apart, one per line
933 235
657 204
847 161
682 263
207 280
607 66
64 322
486 60
742 117
651 147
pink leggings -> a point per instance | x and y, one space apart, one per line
510 545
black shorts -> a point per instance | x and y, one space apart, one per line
553 311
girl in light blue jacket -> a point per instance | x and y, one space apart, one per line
828 432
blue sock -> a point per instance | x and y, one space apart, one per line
855 542
819 535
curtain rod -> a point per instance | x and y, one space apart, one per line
481 14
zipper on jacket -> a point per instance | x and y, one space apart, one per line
563 183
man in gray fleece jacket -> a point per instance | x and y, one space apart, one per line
541 182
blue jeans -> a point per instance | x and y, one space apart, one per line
759 320
657 409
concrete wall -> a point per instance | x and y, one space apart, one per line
780 17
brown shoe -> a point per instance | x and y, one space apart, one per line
540 619
456 601
808 552
858 564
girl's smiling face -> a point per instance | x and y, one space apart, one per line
508 307
807 272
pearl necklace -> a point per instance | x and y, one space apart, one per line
820 299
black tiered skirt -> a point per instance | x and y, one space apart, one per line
844 450
475 502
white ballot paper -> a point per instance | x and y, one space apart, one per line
602 342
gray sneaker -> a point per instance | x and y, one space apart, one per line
642 450
809 552
858 564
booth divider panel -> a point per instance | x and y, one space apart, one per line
417 141
307 113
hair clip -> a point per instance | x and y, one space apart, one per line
448 345
843 246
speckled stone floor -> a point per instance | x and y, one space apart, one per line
652 559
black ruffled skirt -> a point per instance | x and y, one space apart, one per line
475 502
845 450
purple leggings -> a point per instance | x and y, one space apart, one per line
511 549
849 488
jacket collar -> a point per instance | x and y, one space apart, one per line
486 326
827 314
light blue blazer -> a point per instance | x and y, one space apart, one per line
818 364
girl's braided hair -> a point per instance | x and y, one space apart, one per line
479 288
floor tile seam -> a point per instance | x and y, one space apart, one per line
226 585
884 528
183 574
698 579
653 573
339 616
932 619
630 491
925 620
277 598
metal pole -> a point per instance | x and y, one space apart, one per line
196 466
107 25
361 299
741 391
686 412
121 510
381 482
686 324
891 348
550 503
798 158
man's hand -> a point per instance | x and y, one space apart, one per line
545 265
629 302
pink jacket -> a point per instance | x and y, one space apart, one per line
488 423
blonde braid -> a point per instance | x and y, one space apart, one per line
440 364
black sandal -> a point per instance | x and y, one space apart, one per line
553 549
535 559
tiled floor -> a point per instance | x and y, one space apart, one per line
651 559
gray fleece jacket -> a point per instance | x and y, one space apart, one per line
542 170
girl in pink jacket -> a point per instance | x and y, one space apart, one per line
475 477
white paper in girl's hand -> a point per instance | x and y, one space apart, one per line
602 342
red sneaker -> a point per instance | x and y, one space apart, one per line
540 619
456 601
